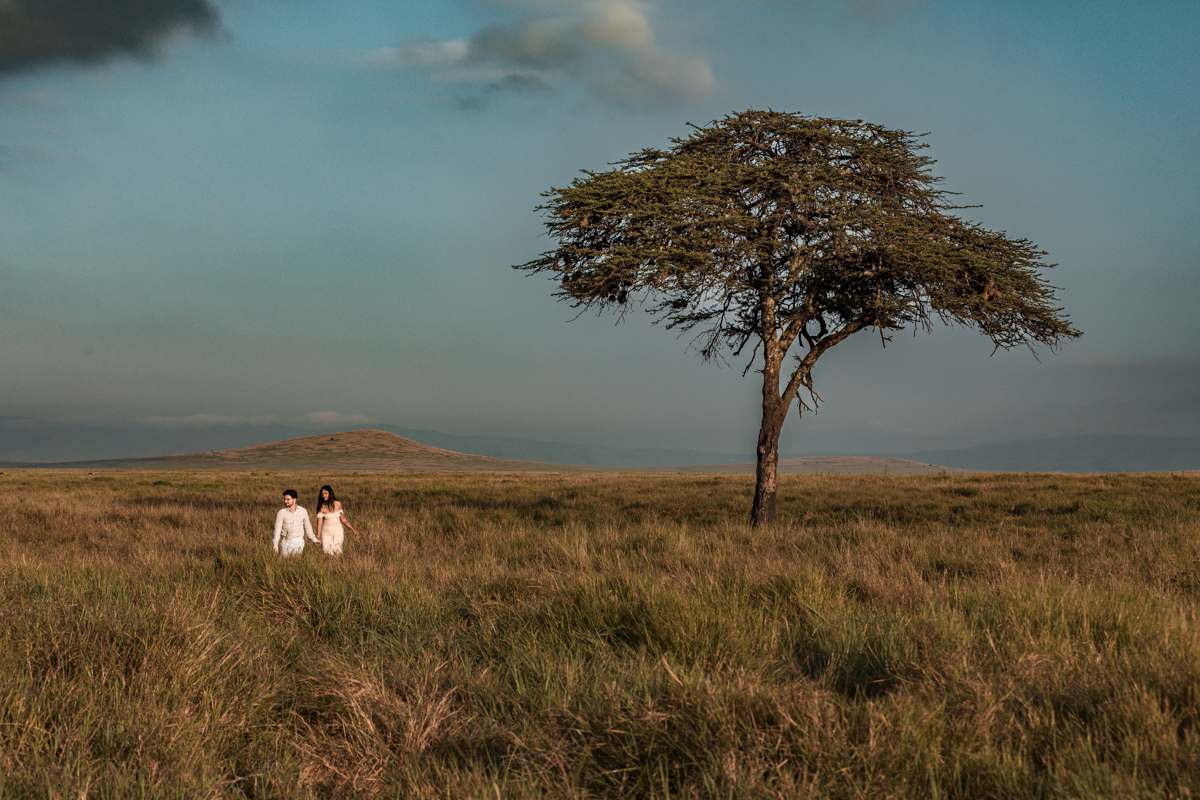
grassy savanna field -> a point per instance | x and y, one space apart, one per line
601 635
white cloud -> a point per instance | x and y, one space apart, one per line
607 48
654 76
428 53
335 418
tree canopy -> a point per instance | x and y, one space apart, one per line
773 229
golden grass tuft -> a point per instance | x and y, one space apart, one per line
602 635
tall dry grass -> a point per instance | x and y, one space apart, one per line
573 635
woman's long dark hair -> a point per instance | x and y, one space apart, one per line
329 502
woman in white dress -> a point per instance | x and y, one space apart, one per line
330 519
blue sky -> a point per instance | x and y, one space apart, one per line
307 212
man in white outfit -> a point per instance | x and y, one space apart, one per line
291 526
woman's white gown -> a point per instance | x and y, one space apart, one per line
332 532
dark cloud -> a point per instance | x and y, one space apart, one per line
40 33
531 44
469 103
522 84
509 84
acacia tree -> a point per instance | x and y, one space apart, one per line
778 230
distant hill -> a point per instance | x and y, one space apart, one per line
1079 454
350 450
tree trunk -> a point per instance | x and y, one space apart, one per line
766 467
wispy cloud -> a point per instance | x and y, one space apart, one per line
209 421
40 33
335 418
323 418
606 48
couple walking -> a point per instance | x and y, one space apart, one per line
292 524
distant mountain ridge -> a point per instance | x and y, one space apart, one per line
385 451
1079 454
349 450
31 440
563 452
27 439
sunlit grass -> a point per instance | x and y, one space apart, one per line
574 635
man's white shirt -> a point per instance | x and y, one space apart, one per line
292 524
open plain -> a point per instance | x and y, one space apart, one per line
569 634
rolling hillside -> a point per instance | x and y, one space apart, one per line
351 450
